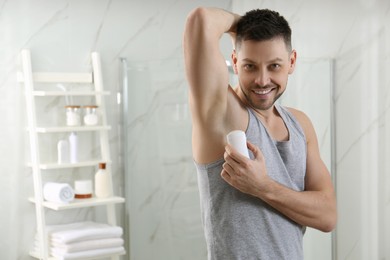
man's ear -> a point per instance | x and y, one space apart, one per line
234 60
293 60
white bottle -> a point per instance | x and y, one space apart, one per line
63 151
237 139
102 182
73 147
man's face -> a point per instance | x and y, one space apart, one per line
263 68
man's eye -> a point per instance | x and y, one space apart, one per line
275 66
248 67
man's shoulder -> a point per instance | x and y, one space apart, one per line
304 121
298 114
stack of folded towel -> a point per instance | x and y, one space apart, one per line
84 239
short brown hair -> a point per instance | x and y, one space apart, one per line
263 24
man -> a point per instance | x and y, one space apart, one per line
254 208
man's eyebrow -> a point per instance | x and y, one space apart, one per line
270 61
277 60
248 60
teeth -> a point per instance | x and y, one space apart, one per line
263 92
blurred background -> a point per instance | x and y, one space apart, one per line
341 81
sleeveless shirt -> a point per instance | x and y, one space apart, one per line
239 226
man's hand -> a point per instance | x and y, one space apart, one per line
244 174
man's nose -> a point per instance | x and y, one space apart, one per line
263 78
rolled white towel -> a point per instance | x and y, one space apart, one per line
58 192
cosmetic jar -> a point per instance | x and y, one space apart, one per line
90 115
73 115
83 189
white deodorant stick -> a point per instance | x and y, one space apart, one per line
237 139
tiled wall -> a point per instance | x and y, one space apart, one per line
62 34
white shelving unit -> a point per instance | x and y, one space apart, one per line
71 129
28 78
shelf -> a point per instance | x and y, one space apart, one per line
68 93
80 203
38 256
88 86
48 166
72 129
56 77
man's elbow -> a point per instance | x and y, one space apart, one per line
329 224
197 17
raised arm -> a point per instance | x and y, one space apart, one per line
206 69
208 77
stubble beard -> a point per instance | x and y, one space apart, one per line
266 105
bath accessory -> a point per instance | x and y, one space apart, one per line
65 248
63 151
89 254
237 139
58 192
87 230
90 115
102 182
82 240
83 189
73 147
73 115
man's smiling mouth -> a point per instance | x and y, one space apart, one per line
263 91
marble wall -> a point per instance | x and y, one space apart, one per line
61 36
355 35
162 205
313 78
163 202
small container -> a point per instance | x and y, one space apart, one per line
73 115
90 115
83 189
73 147
63 151
102 182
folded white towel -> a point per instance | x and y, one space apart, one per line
58 192
70 234
60 248
91 253
85 231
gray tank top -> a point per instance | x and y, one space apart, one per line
241 227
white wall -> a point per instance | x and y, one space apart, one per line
313 78
356 35
61 34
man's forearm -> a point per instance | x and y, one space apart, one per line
213 21
315 209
